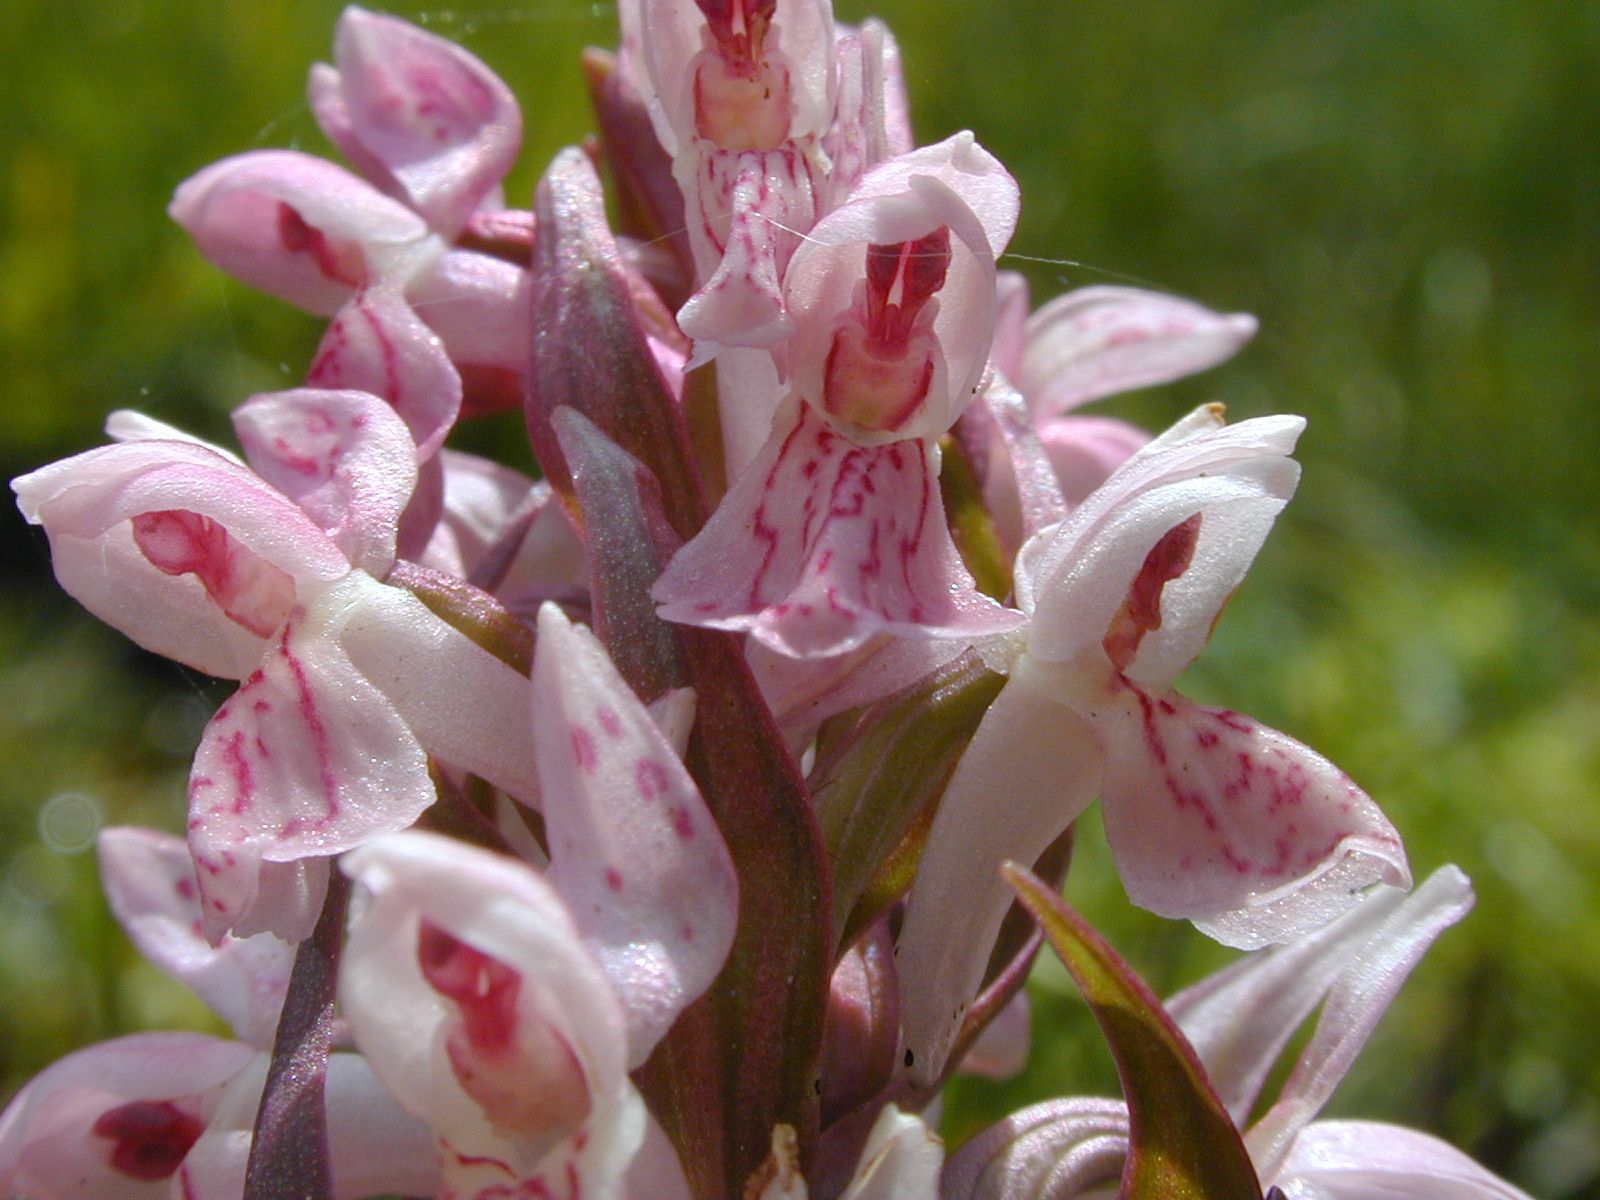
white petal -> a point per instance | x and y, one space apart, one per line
1032 767
1354 1006
1365 1160
900 1161
462 703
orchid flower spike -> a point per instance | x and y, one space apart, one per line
1239 1022
836 530
270 576
1210 816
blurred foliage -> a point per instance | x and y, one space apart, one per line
1404 191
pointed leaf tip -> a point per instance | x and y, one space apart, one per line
1183 1144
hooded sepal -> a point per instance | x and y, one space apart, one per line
299 228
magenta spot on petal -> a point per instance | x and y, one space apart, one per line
608 721
614 879
651 778
583 749
149 1137
682 822
185 888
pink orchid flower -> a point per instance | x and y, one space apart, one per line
1210 816
270 577
433 131
169 1115
836 529
1239 1022
740 93
504 1006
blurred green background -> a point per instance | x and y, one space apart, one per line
1404 191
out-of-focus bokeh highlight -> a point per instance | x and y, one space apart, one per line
1406 192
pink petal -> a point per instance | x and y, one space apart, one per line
419 521
377 344
896 104
1240 1019
1075 578
1212 817
325 95
522 1077
465 706
822 543
114 1121
507 534
305 760
663 53
633 849
344 457
480 308
748 394
1084 451
376 1147
1020 484
1031 768
150 883
858 137
126 425
748 213
656 1173
1365 1160
1099 341
967 169
444 124
480 499
1354 1005
1058 1148
297 227
1010 322
805 36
